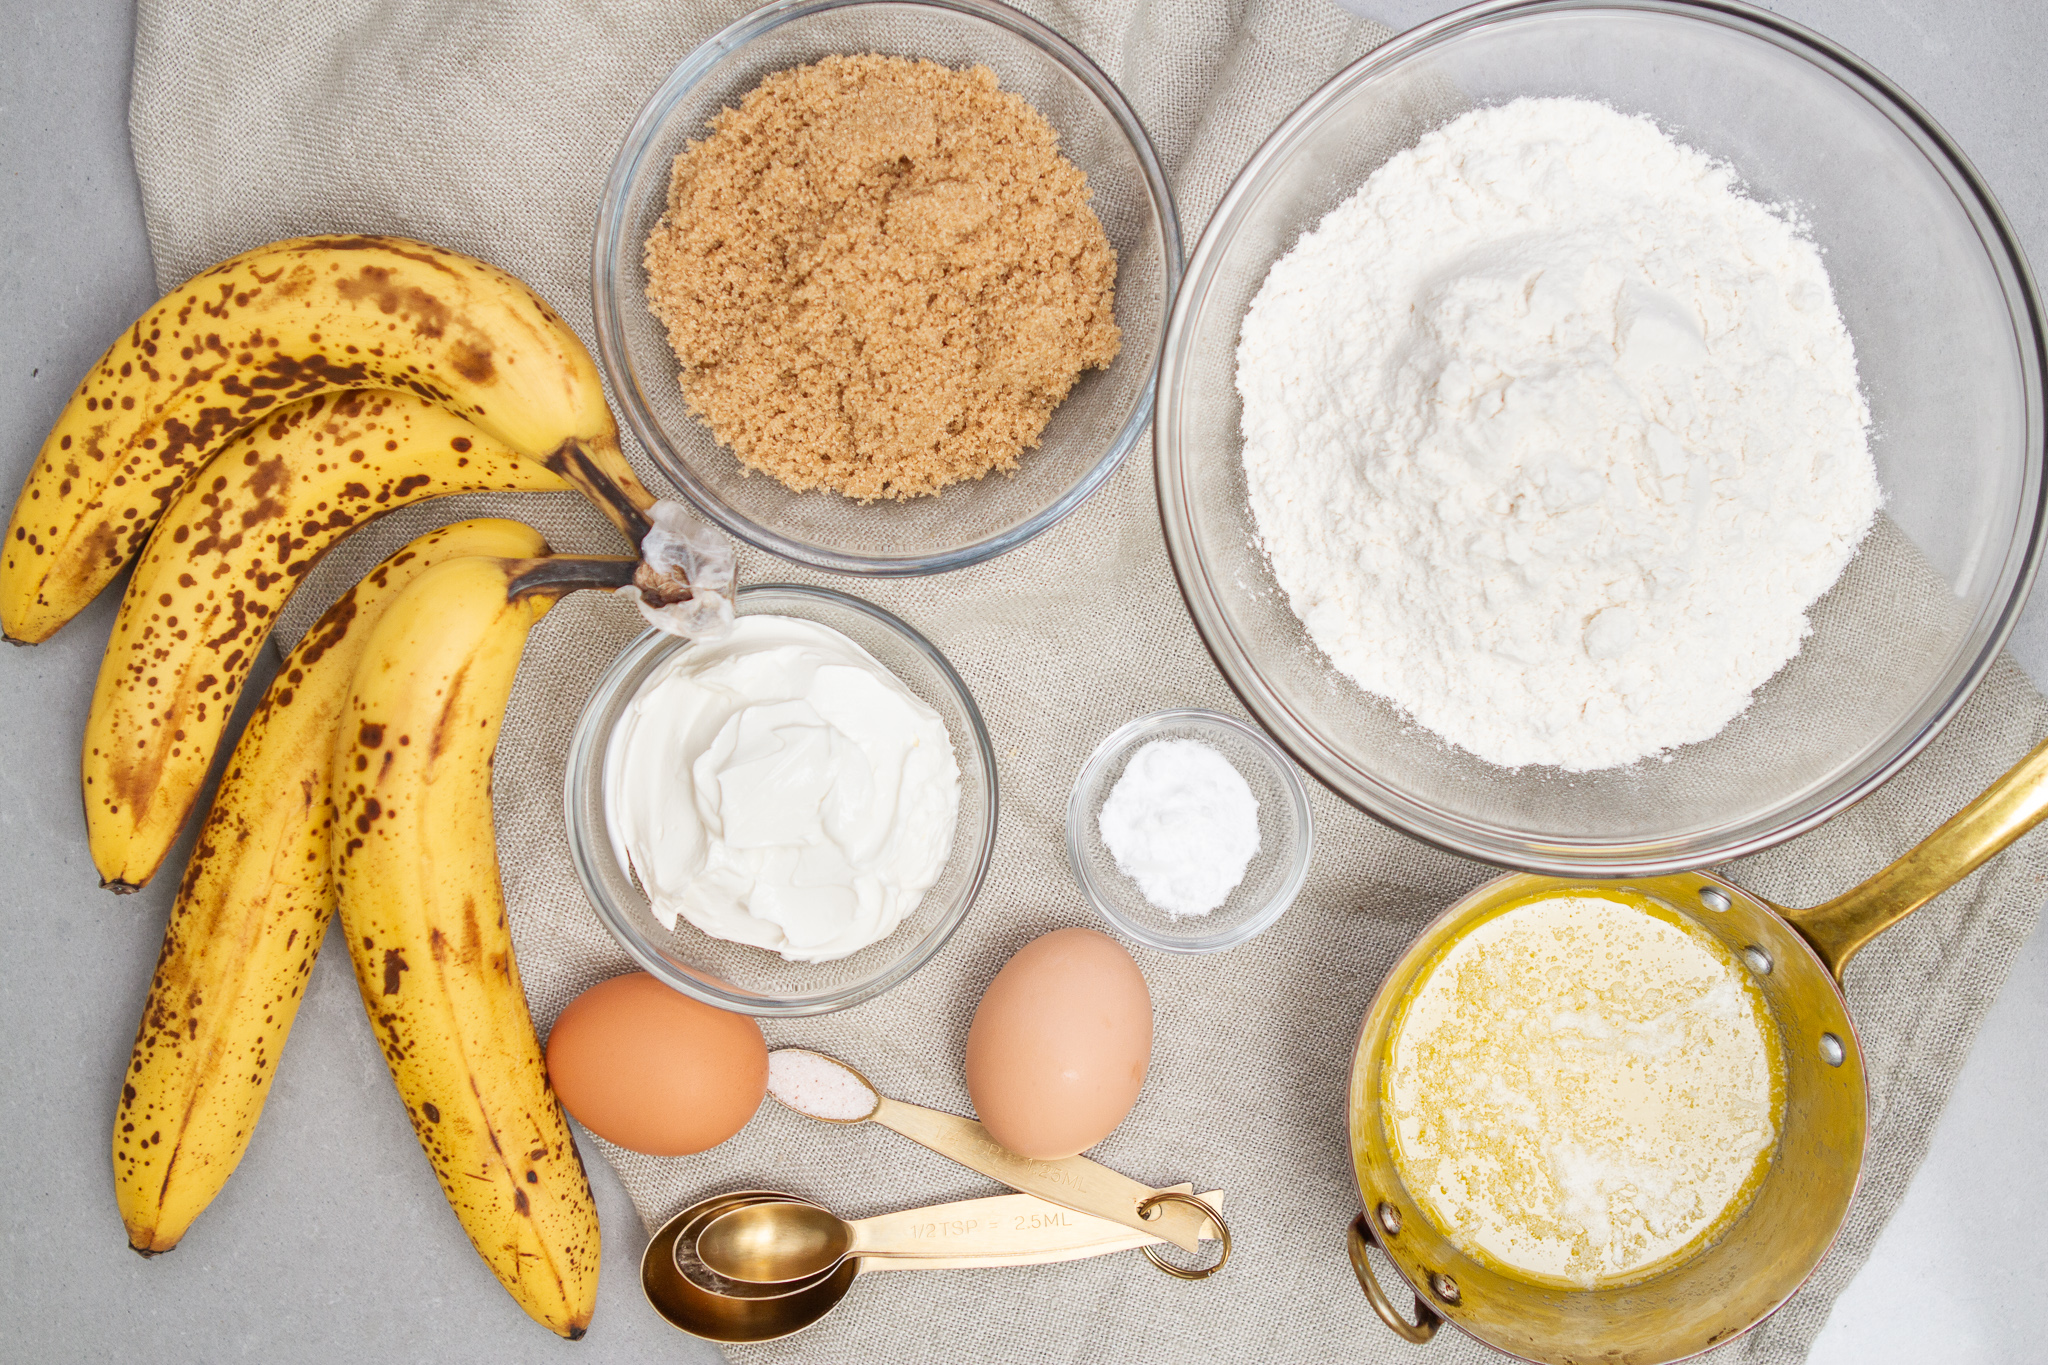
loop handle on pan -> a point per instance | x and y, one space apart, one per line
2008 808
1427 1320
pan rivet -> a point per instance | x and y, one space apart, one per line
1390 1218
1759 961
1831 1049
1714 898
1443 1286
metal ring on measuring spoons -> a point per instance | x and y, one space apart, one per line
1222 1230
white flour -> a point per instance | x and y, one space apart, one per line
1552 436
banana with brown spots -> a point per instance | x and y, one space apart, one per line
423 912
226 557
251 912
287 321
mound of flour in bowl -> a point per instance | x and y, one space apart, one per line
1552 436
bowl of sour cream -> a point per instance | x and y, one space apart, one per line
789 820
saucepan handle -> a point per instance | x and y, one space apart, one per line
1426 1318
2009 807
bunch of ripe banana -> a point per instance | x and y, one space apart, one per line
238 430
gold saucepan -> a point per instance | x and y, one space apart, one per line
1796 958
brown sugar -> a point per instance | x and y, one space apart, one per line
880 276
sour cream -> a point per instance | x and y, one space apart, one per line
779 787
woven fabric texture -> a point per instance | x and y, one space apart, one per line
490 128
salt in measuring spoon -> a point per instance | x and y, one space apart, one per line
825 1088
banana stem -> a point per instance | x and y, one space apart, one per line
607 482
560 575
601 473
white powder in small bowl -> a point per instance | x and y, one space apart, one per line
812 1083
1183 824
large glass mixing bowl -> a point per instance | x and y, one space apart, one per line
1948 331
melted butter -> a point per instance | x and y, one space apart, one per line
1583 1088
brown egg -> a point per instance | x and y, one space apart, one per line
652 1070
1060 1043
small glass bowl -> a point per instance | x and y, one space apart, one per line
1271 880
1091 432
737 976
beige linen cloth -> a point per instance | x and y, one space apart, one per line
490 128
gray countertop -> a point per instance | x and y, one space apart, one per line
332 1234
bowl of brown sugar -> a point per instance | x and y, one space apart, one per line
881 285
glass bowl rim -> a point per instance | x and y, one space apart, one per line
585 755
1657 855
608 241
1119 741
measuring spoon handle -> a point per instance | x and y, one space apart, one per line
1073 1182
1005 1226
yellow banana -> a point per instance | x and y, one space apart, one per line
227 555
423 913
287 321
251 912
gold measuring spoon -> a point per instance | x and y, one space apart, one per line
703 1312
1013 1229
1016 1229
1073 1182
692 1268
782 1243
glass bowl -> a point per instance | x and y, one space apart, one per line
1948 331
1090 433
736 976
1271 880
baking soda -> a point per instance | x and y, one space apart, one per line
1183 824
